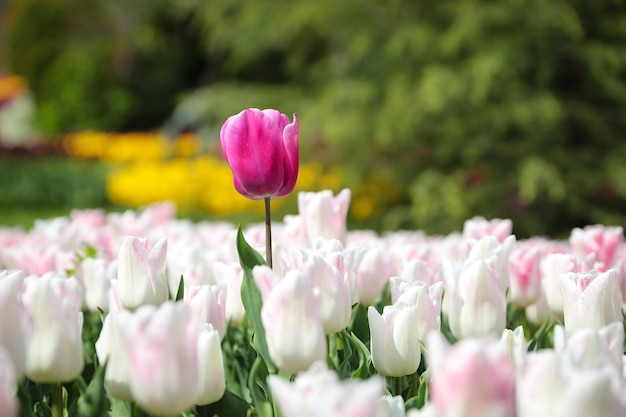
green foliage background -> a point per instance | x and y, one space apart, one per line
511 108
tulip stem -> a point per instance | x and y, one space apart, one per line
56 398
268 232
398 385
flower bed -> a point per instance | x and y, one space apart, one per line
474 323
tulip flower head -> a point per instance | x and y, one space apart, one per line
261 148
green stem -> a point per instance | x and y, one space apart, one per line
134 410
57 400
268 232
398 385
415 383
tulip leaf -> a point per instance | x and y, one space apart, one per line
251 296
230 405
94 402
181 289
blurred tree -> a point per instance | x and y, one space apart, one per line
101 64
512 108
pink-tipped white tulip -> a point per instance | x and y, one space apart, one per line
141 273
475 299
208 305
524 278
473 378
55 350
334 291
602 241
591 299
319 392
479 227
394 340
426 298
162 347
373 273
294 331
324 215
15 322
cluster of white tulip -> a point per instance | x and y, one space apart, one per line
445 316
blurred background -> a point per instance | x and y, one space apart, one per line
431 112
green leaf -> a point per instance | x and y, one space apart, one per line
94 401
230 405
251 296
181 289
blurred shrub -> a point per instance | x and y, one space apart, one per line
101 64
50 182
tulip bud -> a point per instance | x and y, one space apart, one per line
591 299
55 350
261 147
319 392
394 340
141 273
293 324
388 406
211 378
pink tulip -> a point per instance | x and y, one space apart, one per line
319 392
261 147
474 378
